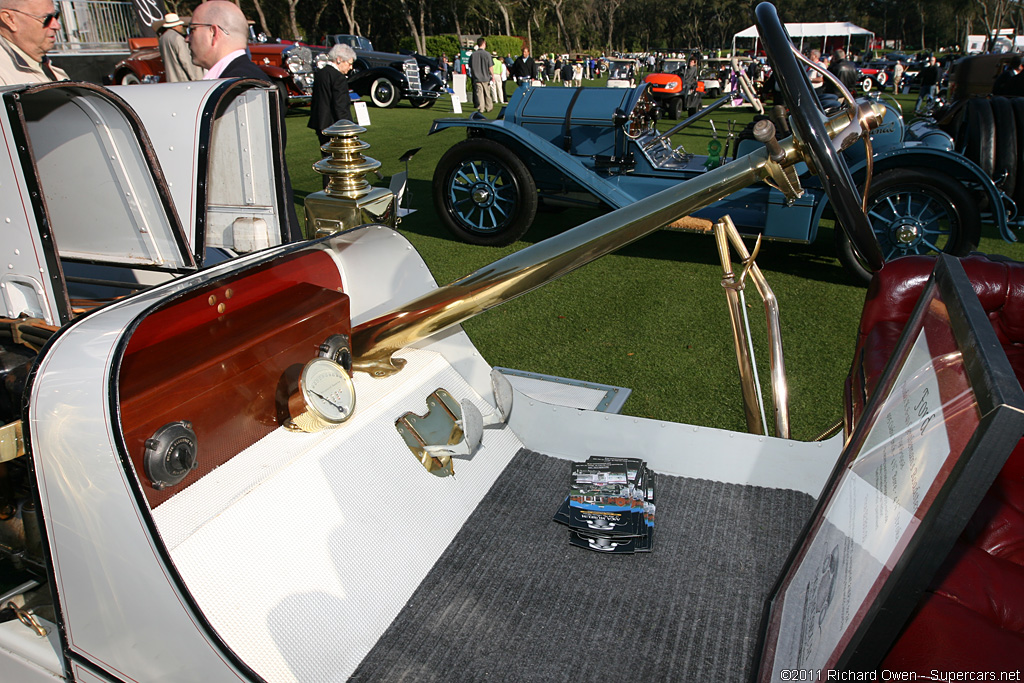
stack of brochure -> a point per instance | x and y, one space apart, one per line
610 507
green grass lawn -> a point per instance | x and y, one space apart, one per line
651 317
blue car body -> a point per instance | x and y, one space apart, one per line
578 145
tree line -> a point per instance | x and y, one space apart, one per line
603 26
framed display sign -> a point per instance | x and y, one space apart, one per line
946 414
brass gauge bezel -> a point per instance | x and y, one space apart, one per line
317 403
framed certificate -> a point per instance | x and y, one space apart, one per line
946 414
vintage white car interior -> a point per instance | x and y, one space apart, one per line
294 465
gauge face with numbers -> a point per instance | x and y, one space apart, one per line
327 390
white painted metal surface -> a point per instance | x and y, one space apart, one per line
100 194
120 604
239 177
24 285
171 114
271 568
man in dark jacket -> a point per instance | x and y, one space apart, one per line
690 75
929 78
217 38
565 73
524 68
1014 67
843 69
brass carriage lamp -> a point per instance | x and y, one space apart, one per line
348 200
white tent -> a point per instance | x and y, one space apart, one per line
798 32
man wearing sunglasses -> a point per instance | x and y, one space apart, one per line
28 30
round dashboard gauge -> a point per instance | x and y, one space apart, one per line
327 390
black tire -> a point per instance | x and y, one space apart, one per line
674 108
913 211
1005 143
980 143
282 93
715 93
484 193
384 93
422 102
129 78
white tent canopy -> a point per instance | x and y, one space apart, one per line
799 32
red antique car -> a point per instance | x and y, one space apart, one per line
289 65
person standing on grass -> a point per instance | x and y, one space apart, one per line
480 65
897 76
929 83
565 73
524 69
174 51
498 76
330 101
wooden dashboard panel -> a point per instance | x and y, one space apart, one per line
225 358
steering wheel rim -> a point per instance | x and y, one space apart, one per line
809 126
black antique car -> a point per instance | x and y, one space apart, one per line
387 77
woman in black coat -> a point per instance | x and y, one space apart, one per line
330 101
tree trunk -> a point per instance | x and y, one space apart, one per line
348 10
293 20
455 20
563 34
504 13
612 6
262 16
416 31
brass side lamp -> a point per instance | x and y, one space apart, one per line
348 200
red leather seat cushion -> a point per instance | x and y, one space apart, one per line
972 616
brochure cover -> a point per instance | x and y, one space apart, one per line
610 506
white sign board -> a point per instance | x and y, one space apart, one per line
362 113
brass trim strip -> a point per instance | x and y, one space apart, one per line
374 341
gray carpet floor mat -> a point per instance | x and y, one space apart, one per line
511 600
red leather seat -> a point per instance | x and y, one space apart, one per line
972 616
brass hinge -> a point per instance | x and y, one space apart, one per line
12 441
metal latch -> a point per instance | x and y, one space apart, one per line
439 426
450 429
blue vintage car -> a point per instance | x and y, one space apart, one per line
600 147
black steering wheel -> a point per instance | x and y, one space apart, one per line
809 126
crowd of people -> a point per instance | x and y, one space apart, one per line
213 44
493 76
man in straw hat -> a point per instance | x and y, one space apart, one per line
174 51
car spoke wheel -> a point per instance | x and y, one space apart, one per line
913 212
484 193
384 93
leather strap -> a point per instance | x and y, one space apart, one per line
566 132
